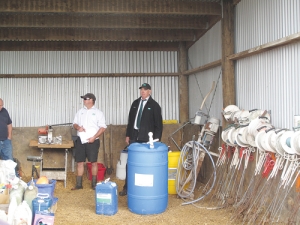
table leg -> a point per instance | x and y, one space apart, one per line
41 164
66 166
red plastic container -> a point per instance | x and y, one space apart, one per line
101 171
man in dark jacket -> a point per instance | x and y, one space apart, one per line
144 117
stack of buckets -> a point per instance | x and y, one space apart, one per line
121 165
173 158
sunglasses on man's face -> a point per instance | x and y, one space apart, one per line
86 98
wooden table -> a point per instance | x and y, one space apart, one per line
49 173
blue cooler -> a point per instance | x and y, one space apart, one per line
106 197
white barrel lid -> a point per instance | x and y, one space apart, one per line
228 110
279 148
266 140
295 142
285 142
258 139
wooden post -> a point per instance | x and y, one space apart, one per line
183 84
228 78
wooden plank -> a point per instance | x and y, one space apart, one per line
65 144
266 47
203 68
59 20
87 34
87 46
183 84
228 81
113 6
88 75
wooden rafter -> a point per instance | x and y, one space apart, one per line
87 46
87 34
31 22
84 20
112 6
87 75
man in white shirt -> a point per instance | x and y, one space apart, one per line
90 124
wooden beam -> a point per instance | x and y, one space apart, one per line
85 20
266 47
88 75
112 6
183 83
228 81
203 68
87 46
87 34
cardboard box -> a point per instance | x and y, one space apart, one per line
4 196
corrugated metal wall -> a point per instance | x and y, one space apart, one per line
40 101
206 50
58 62
269 80
262 21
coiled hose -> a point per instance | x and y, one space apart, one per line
187 166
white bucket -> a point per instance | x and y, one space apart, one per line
121 171
121 165
123 158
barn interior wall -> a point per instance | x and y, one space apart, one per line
267 81
37 101
208 49
270 80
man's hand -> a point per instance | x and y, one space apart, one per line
127 140
81 129
91 139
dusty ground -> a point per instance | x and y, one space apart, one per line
78 207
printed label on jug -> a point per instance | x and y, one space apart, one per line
172 173
104 198
143 180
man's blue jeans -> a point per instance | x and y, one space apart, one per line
6 150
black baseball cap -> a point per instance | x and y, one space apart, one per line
145 86
89 95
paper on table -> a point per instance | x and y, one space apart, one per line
84 136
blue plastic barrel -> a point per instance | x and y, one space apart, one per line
106 196
147 187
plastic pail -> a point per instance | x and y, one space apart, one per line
106 198
121 165
172 171
147 187
101 171
121 171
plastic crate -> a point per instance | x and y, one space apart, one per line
46 188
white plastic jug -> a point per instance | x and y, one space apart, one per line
17 191
30 193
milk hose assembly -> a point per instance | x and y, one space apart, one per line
191 159
189 164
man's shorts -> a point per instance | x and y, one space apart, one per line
86 151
